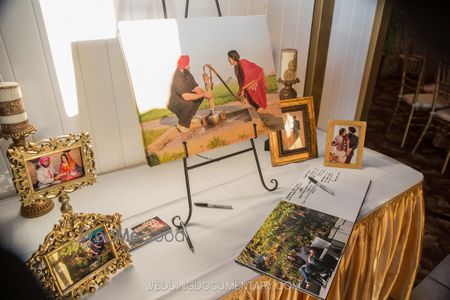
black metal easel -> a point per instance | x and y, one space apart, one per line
210 161
187 168
186 8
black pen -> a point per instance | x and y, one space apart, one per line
204 204
321 186
186 235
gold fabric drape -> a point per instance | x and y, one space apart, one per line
380 260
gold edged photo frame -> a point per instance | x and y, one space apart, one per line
52 168
298 140
80 254
345 144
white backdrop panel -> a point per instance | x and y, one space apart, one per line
349 42
25 57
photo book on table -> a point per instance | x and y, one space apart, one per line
146 231
303 239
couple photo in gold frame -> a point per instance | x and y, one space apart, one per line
49 169
79 255
298 139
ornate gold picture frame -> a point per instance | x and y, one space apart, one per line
345 144
298 140
79 255
52 168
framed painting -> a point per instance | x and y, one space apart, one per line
204 89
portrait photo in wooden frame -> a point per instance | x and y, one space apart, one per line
79 255
298 140
345 144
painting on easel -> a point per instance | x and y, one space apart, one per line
204 81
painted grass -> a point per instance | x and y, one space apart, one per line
272 84
153 159
221 96
216 142
243 136
155 114
152 135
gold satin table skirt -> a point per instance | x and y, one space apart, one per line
380 260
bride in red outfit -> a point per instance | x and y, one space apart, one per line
251 79
67 168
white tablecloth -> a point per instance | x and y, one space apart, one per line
168 270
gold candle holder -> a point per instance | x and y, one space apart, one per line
14 125
288 69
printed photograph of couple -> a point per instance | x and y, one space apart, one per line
293 135
297 141
345 143
146 231
204 81
77 259
52 169
299 246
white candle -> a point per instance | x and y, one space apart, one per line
288 65
9 91
13 118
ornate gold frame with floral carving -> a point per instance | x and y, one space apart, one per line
18 157
73 227
282 156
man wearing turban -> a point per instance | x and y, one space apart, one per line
44 174
186 95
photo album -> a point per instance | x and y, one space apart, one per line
303 239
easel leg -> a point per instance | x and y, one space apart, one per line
255 153
187 168
188 189
274 181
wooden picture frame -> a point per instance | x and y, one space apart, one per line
338 151
25 162
79 255
298 140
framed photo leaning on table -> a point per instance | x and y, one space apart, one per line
79 255
345 144
298 139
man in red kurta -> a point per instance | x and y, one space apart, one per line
251 79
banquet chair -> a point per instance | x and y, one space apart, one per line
409 94
440 113
431 87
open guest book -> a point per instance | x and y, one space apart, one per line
303 239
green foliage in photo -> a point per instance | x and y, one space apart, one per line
216 142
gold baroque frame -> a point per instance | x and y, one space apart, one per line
278 154
71 228
18 156
360 149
